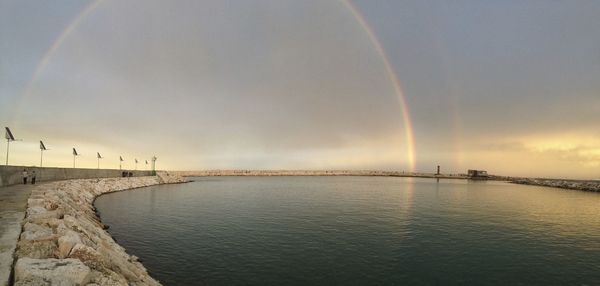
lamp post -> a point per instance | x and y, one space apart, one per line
42 149
75 154
154 165
9 137
99 157
120 161
136 161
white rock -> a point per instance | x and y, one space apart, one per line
63 272
67 227
66 243
36 210
35 232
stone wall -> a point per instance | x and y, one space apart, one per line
10 175
63 242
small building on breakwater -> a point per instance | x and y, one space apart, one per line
478 174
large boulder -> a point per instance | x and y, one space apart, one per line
63 272
66 243
36 249
36 232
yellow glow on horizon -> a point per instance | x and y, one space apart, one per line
561 142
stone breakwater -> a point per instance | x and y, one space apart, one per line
63 242
206 173
590 186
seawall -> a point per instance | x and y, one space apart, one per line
63 242
11 175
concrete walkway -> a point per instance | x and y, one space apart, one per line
13 203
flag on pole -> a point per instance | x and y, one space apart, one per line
146 162
75 152
98 155
121 158
42 146
136 160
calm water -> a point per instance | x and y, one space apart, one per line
358 231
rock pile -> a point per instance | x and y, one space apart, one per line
590 186
64 243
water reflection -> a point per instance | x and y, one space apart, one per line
359 230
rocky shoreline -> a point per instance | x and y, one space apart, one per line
588 186
63 242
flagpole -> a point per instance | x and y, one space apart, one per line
41 156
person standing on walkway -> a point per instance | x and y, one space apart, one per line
33 177
25 174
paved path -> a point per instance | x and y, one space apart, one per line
13 203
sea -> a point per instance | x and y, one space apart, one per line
346 230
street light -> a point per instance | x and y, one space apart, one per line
146 164
99 157
9 137
120 161
136 161
42 149
75 154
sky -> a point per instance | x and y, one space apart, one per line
512 87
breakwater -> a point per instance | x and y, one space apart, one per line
63 242
12 175
580 185
205 173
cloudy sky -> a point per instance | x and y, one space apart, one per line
508 86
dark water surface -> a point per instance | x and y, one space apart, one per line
358 231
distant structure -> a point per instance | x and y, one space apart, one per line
478 174
154 165
438 170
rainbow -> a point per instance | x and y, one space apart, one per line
56 45
408 129
409 134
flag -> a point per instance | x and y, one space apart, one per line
98 155
121 158
146 162
42 146
136 161
75 152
